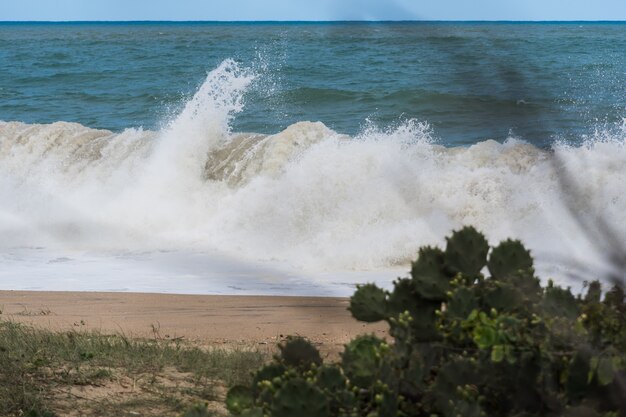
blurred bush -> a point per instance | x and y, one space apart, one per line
461 343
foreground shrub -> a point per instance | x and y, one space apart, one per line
463 344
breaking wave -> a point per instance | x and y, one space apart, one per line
306 196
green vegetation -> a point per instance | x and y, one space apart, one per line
45 373
464 344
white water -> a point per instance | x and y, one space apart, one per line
197 208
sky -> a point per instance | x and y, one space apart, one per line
64 10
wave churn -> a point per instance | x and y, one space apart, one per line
306 197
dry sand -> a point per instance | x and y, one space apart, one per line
206 319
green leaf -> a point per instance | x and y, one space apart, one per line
473 315
497 353
606 372
484 336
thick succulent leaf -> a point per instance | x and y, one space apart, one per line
360 360
299 352
413 375
298 397
452 375
466 252
461 303
330 378
422 311
508 258
502 296
403 297
369 303
428 274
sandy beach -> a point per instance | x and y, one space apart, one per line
206 319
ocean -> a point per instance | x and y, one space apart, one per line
301 158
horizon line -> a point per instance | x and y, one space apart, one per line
321 21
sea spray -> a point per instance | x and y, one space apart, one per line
306 197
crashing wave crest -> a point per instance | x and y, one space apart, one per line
307 195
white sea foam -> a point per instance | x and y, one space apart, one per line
306 198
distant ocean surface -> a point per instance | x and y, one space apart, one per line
469 81
299 158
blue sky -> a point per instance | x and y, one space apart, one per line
312 10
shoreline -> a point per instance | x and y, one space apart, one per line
211 320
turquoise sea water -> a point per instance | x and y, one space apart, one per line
469 81
300 158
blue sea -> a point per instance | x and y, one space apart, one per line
300 158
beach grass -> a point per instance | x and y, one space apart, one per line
87 373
